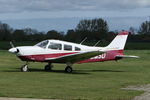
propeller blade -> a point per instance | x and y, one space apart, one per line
12 45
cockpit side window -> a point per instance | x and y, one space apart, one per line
77 49
42 44
55 46
67 47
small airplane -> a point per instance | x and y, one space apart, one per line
56 51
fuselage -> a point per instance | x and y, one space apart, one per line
52 49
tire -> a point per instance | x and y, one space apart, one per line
48 68
24 68
68 69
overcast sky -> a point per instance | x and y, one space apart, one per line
44 9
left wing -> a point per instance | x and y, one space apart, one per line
73 58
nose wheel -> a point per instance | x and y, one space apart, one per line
24 68
68 69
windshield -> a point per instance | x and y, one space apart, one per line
42 44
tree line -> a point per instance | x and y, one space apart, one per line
92 29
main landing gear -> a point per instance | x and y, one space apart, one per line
25 68
68 69
48 67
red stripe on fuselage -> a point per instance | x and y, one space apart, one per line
42 57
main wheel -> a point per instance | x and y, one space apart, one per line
48 68
24 68
68 69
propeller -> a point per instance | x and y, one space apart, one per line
13 49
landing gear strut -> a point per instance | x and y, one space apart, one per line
25 68
48 67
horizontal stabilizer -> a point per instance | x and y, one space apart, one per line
126 56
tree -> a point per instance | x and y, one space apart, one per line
40 36
94 29
72 36
19 35
5 32
54 35
132 30
30 31
145 28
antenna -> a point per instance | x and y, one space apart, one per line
83 40
96 43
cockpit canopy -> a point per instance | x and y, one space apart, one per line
57 46
42 44
50 45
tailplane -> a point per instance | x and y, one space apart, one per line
118 45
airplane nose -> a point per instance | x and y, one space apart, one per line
13 50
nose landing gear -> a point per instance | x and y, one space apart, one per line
25 68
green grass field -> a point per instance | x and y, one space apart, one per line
93 81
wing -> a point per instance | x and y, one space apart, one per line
73 58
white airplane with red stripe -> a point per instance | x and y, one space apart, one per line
57 51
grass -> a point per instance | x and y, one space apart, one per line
93 81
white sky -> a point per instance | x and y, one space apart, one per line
18 9
40 9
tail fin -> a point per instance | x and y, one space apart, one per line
119 41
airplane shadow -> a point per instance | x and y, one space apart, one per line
62 71
101 70
42 70
56 71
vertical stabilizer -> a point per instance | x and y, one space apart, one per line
119 41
